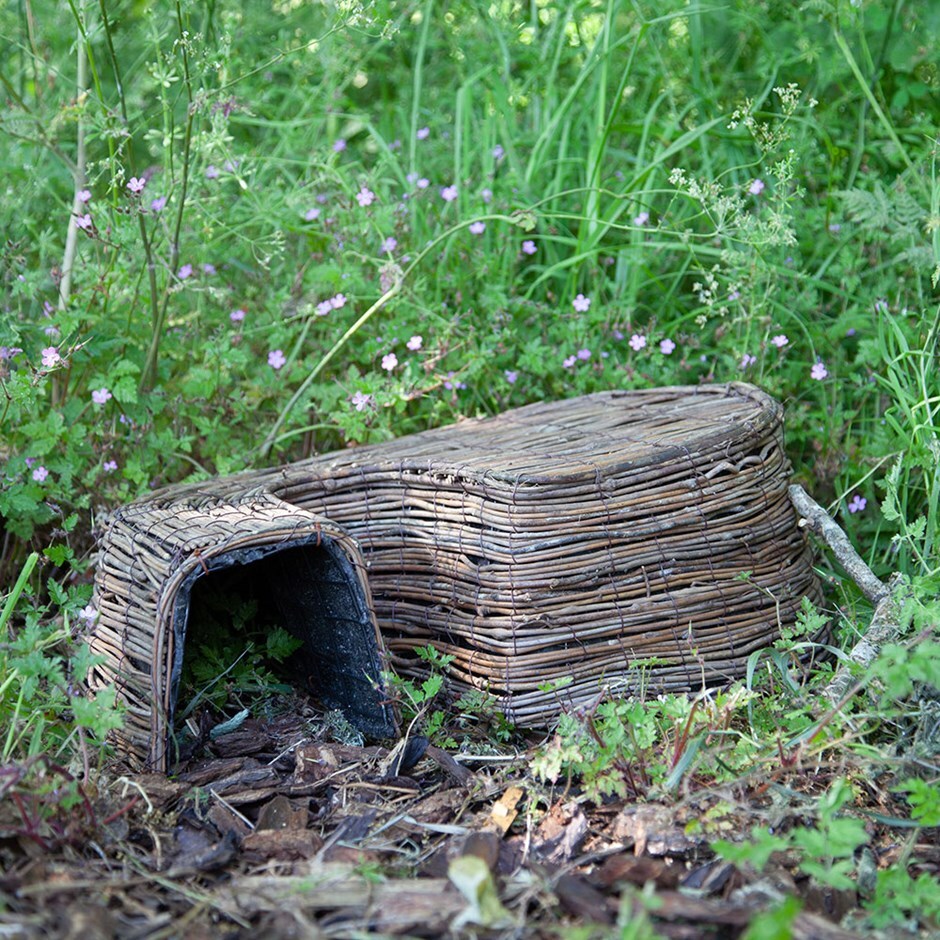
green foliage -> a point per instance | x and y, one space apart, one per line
231 656
42 670
825 849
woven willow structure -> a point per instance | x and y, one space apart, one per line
619 540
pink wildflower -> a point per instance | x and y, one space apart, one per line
747 360
339 145
819 371
51 357
581 303
756 188
448 193
857 504
511 376
324 307
158 204
477 228
236 316
84 222
779 341
641 219
136 184
84 195
529 247
637 342
365 197
40 474
184 272
389 245
109 466
667 347
415 343
423 133
101 396
276 359
312 214
569 362
360 401
389 361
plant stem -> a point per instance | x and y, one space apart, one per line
149 374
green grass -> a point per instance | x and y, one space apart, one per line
620 142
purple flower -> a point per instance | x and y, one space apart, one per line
109 466
756 187
779 341
449 385
40 474
449 193
339 145
360 401
477 228
88 613
584 354
423 183
158 204
208 269
423 133
84 195
51 357
487 195
51 331
667 347
389 361
83 222
312 214
734 295
389 245
881 305
337 301
212 172
819 371
857 504
136 184
568 362
324 307
528 247
581 303
641 219
236 316
276 358
498 152
184 272
511 376
835 228
415 343
747 360
365 197
100 396
637 342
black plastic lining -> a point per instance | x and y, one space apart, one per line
313 589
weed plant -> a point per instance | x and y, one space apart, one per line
242 233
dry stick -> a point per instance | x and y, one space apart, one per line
884 621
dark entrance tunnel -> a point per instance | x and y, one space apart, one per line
310 589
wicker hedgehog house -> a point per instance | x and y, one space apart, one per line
556 544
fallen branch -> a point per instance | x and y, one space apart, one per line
885 621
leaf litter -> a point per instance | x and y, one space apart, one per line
273 832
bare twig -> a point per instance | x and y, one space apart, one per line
884 623
820 523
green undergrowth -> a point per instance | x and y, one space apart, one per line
240 234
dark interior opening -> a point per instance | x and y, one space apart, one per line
311 590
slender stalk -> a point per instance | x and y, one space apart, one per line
129 156
149 374
78 176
